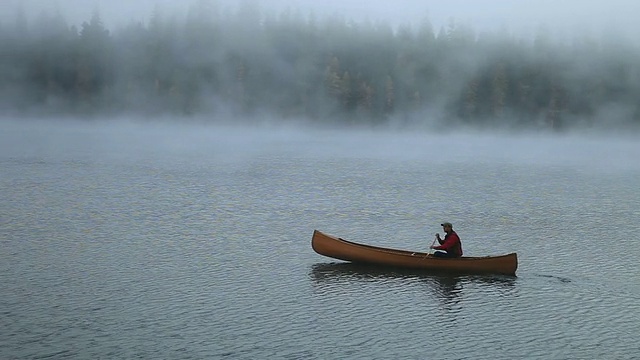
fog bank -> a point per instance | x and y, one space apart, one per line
313 63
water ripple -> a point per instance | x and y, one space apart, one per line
205 252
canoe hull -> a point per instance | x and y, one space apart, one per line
341 249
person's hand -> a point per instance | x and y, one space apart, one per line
438 236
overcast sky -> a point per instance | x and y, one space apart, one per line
516 15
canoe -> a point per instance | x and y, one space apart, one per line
341 249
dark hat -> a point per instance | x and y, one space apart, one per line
447 224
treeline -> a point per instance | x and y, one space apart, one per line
247 63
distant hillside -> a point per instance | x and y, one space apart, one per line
323 70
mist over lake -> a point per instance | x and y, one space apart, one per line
252 61
163 166
136 239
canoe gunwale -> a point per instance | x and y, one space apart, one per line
415 253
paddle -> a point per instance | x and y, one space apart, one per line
429 250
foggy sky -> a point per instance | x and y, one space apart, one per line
613 16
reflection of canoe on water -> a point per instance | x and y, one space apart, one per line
337 248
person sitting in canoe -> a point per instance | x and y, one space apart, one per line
450 246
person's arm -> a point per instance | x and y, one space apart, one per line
448 243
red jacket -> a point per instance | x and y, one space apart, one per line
451 244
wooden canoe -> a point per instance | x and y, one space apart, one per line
341 249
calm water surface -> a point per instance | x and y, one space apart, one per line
188 242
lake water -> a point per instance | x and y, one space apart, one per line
122 240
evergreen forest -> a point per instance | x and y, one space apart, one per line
245 63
